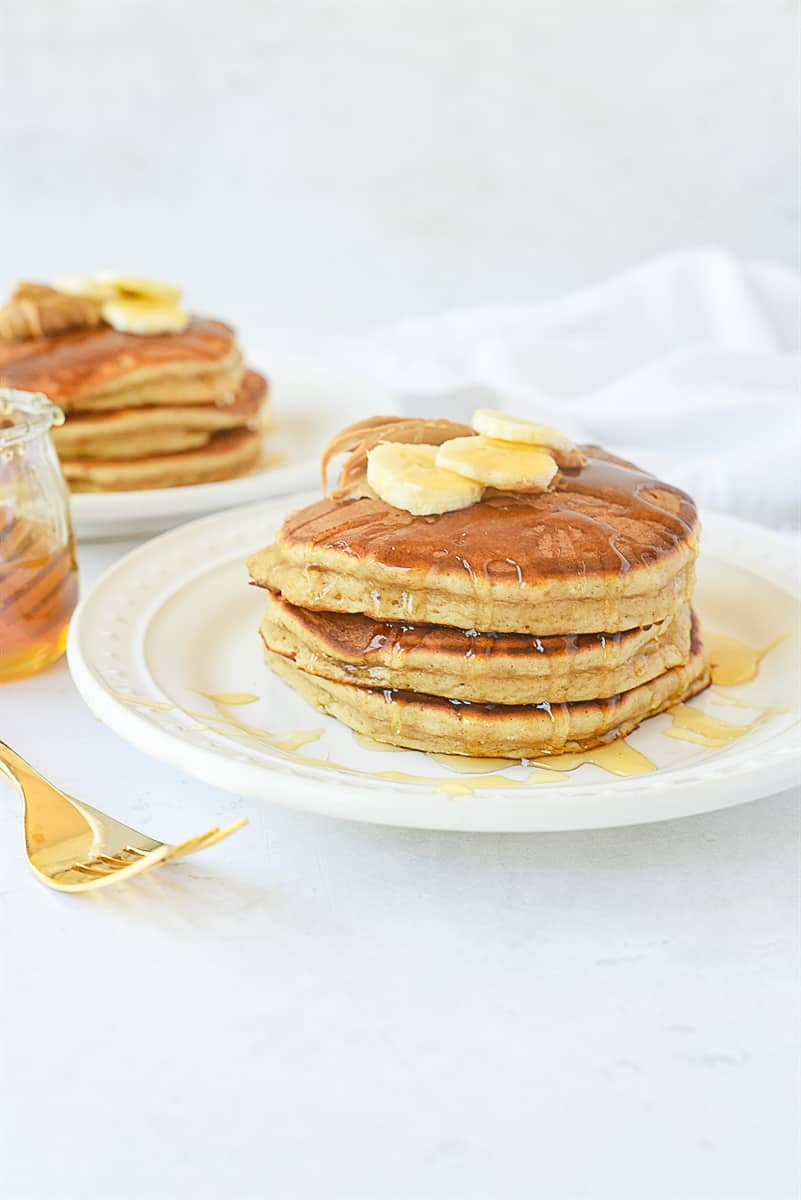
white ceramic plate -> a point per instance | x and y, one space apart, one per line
310 401
175 620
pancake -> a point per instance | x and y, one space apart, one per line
505 668
609 548
190 389
225 455
527 623
141 432
101 368
435 724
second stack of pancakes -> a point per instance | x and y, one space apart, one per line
524 625
162 410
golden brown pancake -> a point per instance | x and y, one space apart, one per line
230 453
505 668
476 631
103 368
610 548
145 411
141 432
448 726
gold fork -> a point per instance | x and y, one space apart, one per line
75 848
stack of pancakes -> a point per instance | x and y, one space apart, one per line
524 625
145 411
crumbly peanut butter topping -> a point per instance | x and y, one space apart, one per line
128 303
429 467
37 310
357 439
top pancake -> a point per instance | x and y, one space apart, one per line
93 368
609 548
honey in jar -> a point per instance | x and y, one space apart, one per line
38 573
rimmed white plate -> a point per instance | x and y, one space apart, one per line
175 622
311 401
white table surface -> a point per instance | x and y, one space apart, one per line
321 1009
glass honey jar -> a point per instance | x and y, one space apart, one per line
38 571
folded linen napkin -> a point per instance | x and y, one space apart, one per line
689 365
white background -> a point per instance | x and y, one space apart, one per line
345 161
319 1010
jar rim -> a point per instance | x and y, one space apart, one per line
25 415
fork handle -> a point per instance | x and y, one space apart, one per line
12 766
15 768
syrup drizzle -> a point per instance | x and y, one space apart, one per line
368 743
733 662
473 766
617 758
287 744
143 702
702 729
578 508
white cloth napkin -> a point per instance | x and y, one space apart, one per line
688 365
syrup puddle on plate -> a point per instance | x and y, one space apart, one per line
701 728
732 662
287 743
369 743
142 702
616 758
719 696
474 766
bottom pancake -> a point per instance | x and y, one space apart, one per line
418 721
225 456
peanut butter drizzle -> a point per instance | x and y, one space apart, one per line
36 310
230 699
362 436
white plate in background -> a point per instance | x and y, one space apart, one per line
311 401
176 619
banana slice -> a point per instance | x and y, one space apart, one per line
137 288
90 289
503 428
407 476
504 465
144 316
